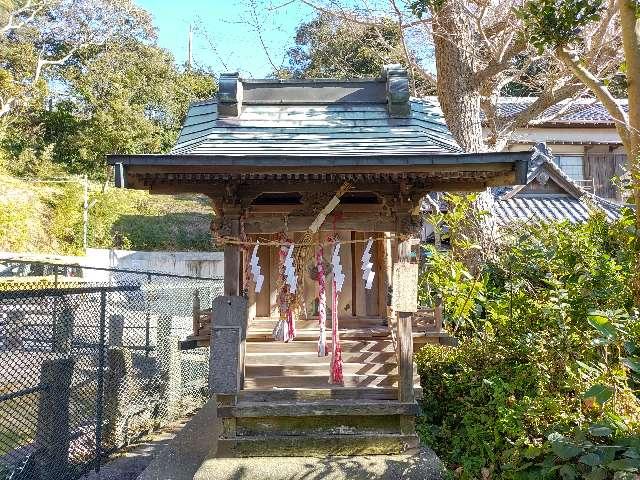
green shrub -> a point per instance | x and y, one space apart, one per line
14 225
544 383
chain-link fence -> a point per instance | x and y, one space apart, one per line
90 360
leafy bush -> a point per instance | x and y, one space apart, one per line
544 383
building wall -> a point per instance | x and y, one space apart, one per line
590 156
197 264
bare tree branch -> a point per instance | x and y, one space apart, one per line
26 14
597 86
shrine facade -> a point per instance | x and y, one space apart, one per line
306 164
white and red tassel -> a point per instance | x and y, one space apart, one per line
336 350
322 304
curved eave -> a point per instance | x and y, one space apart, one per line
499 163
284 161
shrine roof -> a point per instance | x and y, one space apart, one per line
359 126
293 129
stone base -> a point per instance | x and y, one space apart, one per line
419 464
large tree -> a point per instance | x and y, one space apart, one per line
84 78
331 46
479 48
125 97
38 35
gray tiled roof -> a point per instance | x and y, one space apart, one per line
354 129
580 111
550 208
574 204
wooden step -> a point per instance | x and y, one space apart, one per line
253 370
311 394
261 335
306 358
294 408
321 381
265 323
312 445
350 346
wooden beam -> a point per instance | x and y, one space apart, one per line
287 209
176 168
212 188
360 223
232 260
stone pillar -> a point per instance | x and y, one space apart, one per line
405 358
171 374
117 387
228 336
63 326
52 430
170 368
116 330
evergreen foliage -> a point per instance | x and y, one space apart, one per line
545 381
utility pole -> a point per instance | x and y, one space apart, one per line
85 212
190 49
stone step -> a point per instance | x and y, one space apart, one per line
295 408
264 370
306 358
280 426
350 346
311 445
266 335
321 381
311 394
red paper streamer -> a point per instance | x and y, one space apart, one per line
336 350
322 304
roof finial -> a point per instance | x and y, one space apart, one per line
229 95
397 90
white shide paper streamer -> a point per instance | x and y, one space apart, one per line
258 278
367 266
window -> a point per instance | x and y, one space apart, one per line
572 165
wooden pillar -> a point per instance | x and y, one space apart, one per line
232 260
405 358
386 273
437 313
407 277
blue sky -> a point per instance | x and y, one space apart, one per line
224 39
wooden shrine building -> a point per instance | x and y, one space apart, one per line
272 155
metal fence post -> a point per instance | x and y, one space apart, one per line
52 430
101 374
147 332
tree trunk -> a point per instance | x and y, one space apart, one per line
630 26
459 97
